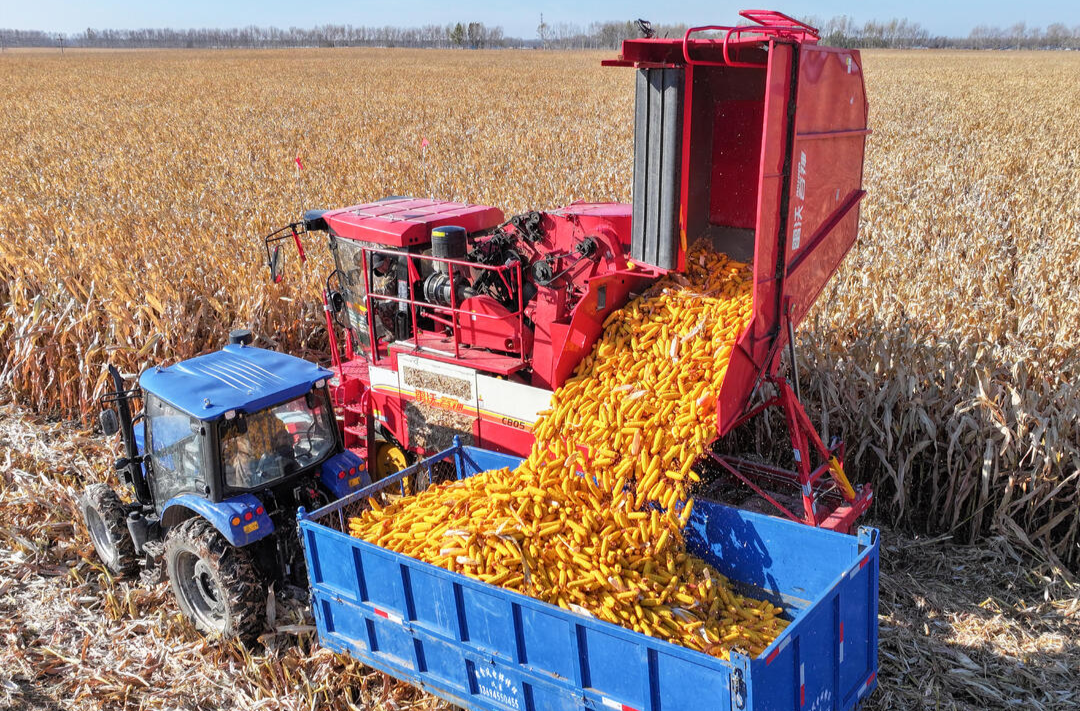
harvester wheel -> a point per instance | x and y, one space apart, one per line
389 458
215 583
106 521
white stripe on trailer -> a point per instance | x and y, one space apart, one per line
857 568
779 648
387 615
802 684
613 704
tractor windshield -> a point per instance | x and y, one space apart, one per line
262 447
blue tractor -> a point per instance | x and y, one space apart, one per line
226 447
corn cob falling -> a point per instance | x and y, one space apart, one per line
592 520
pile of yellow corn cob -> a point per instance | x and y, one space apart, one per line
592 520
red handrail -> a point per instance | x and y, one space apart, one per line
770 24
453 310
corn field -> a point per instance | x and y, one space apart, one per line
135 187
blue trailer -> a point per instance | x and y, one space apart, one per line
483 647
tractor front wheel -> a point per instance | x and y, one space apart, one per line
215 583
106 521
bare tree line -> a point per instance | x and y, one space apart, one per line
840 31
471 35
843 31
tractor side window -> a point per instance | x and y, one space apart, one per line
175 448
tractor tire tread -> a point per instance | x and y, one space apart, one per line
104 501
237 573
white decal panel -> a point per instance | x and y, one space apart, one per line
453 387
382 378
800 198
504 400
496 686
434 381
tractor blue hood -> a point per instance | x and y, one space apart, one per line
235 378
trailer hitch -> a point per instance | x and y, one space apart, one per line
738 689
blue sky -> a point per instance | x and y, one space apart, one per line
517 19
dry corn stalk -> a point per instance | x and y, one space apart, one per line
592 520
965 418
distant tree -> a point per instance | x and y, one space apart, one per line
457 35
474 35
838 31
1057 36
542 32
1016 34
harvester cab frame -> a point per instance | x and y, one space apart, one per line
228 446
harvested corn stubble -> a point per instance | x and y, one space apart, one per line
592 520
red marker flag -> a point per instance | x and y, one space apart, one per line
424 142
299 165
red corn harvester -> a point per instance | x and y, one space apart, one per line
458 321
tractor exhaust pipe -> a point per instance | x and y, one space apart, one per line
241 336
131 464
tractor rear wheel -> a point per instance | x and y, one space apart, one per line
106 521
215 583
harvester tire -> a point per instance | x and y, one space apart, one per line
106 521
389 458
216 584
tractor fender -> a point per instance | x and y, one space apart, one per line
252 525
344 473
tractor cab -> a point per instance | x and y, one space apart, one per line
227 446
241 420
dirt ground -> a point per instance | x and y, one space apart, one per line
961 627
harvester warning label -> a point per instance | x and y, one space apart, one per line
800 199
498 687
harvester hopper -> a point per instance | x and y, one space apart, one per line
754 139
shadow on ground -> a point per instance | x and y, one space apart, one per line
974 627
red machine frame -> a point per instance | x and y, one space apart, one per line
516 343
772 129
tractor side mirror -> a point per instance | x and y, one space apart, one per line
276 275
109 422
